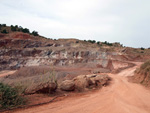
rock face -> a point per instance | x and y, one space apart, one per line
23 50
67 85
16 58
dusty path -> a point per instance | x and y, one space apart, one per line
120 97
6 72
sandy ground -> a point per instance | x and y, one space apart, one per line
120 96
6 72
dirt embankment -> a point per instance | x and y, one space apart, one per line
142 74
120 97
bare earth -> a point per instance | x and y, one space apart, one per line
5 73
120 96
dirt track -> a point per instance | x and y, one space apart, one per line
5 73
120 97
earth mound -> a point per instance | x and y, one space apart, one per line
142 74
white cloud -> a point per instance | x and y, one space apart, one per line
112 20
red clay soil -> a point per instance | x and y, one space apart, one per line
120 96
20 35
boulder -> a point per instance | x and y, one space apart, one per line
102 79
67 85
98 80
42 88
82 82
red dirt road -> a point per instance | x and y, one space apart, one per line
120 96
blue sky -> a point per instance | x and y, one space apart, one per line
124 21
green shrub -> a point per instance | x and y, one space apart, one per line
92 41
4 31
25 30
3 25
107 43
77 41
20 28
98 43
13 28
10 97
35 33
142 48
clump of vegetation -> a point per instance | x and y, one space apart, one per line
14 28
5 29
145 68
107 43
92 41
10 97
77 41
52 76
142 48
21 29
98 43
2 25
116 44
35 33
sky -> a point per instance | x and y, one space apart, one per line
124 21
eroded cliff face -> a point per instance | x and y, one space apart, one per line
16 58
20 49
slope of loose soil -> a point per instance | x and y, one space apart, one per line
120 97
142 74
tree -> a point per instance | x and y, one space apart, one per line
16 26
3 25
107 43
20 28
98 43
13 28
92 41
77 41
25 30
35 33
4 31
142 48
